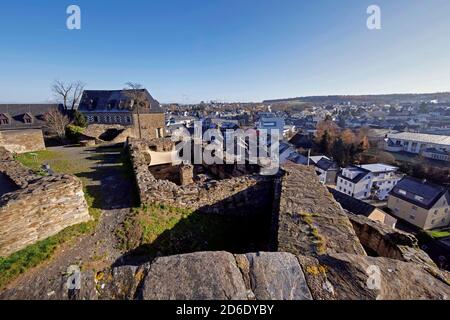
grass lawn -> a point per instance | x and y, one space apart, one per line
439 234
162 230
56 160
31 256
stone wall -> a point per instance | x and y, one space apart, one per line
218 196
150 122
270 276
388 242
308 219
40 208
22 141
17 173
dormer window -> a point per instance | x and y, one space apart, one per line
4 119
28 118
112 104
92 103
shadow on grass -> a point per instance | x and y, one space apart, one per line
231 225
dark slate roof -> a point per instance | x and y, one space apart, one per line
358 177
16 113
113 101
415 188
301 141
351 204
326 164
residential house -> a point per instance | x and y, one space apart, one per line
22 126
327 170
421 203
368 181
359 207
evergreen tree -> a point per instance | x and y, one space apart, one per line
80 120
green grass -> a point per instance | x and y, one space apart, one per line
31 256
34 160
439 234
162 230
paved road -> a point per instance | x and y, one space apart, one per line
93 252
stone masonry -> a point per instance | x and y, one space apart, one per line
216 196
21 141
320 253
42 207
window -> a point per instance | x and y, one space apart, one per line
27 118
128 119
412 217
403 192
418 198
95 119
433 221
159 132
4 119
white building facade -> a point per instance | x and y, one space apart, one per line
368 181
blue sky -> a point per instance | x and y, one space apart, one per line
227 50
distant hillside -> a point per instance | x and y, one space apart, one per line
443 97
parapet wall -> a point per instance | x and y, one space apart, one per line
21 141
42 207
308 219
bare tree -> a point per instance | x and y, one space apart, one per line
138 99
68 93
56 123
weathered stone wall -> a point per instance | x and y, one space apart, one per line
150 122
223 196
308 219
271 276
388 242
22 141
41 207
17 173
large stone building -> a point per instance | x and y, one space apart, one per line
115 107
21 126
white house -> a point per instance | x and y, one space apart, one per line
368 181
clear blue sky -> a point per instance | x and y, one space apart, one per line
228 50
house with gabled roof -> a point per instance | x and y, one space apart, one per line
369 180
22 126
421 203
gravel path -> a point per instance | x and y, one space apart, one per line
93 252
